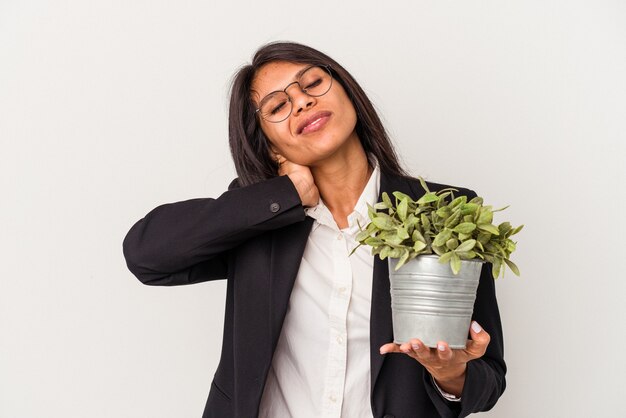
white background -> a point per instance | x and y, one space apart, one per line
110 108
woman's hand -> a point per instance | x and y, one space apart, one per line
302 178
446 366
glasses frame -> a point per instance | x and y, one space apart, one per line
326 67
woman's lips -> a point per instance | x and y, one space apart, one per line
314 123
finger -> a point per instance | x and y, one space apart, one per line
390 348
477 346
406 348
419 349
444 352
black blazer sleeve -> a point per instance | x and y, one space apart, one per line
188 242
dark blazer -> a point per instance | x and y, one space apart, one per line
254 237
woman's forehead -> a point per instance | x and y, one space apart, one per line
274 76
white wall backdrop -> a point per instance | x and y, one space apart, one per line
110 108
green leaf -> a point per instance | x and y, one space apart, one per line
500 249
497 265
442 237
504 227
453 220
516 230
512 266
441 201
444 212
439 250
419 246
510 246
402 233
423 183
466 255
401 196
484 237
459 201
381 206
464 237
501 209
445 258
455 263
403 208
371 212
387 200
452 243
465 228
374 241
384 253
403 259
485 216
417 236
489 228
391 237
361 236
396 252
478 200
467 245
428 198
425 221
447 190
384 222
411 221
469 209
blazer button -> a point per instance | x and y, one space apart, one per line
274 207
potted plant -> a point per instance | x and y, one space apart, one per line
441 243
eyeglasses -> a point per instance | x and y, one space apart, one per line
314 81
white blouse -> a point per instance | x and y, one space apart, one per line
321 366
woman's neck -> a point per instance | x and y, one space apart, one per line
341 182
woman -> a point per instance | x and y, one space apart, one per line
307 329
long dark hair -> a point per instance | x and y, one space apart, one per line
250 147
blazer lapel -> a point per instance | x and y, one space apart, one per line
287 247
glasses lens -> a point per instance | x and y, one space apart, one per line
276 107
315 81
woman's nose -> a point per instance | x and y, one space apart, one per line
300 100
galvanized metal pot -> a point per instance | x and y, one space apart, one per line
429 302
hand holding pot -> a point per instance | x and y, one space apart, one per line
447 366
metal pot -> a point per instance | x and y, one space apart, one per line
430 302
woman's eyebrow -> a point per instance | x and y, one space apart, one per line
302 70
294 78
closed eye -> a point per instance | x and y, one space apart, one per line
278 108
314 84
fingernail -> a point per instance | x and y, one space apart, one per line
406 350
441 347
382 351
475 327
415 346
